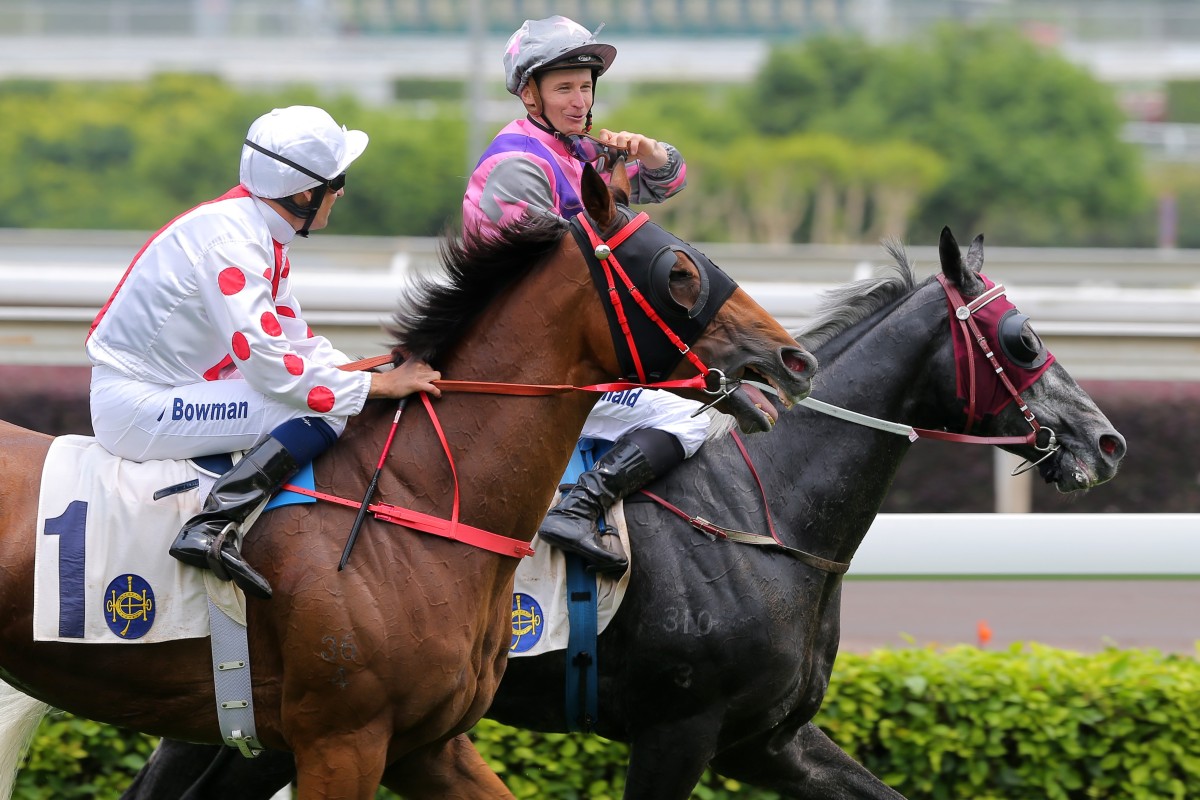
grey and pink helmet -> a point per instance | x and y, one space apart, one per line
552 43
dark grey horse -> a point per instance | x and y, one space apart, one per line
721 653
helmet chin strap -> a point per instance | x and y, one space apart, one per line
307 213
534 109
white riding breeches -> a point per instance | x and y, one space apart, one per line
618 413
143 421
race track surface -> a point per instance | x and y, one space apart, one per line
1084 615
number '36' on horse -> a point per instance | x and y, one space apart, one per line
419 623
721 652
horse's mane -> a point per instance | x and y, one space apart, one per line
434 311
850 304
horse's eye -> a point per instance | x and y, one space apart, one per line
678 284
685 288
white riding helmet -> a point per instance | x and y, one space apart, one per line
307 137
552 43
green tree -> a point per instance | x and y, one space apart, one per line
131 156
1031 142
410 180
798 85
898 175
773 185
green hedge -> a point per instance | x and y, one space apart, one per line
1027 722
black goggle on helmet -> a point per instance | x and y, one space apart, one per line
325 185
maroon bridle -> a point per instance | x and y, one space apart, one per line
965 315
968 375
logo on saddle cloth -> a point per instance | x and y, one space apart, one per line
129 606
527 623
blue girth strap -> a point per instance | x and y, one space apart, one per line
581 673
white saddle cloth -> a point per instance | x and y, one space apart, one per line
540 614
102 573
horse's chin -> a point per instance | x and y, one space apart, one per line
1067 472
752 409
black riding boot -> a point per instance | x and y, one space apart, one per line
208 539
572 525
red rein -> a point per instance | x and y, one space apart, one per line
477 537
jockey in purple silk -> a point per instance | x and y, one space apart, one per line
535 166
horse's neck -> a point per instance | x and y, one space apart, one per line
833 474
508 452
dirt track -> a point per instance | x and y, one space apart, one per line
1086 615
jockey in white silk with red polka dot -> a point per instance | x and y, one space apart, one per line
202 348
206 314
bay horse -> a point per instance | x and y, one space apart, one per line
721 653
373 674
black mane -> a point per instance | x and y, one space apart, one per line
850 304
435 311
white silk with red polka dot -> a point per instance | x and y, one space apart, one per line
209 298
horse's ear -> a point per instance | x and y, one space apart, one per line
596 198
975 254
960 273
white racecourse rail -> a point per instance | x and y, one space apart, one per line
1030 545
1108 314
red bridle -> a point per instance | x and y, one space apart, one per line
710 380
964 314
604 250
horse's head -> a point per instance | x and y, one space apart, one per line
668 303
1009 384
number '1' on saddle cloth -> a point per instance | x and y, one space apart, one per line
102 571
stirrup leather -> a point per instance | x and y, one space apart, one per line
213 555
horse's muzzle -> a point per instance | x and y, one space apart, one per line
789 373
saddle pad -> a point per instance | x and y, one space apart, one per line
539 613
102 573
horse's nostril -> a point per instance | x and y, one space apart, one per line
1112 446
795 361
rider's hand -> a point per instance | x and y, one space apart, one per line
649 151
411 376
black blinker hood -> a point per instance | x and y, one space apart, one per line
647 256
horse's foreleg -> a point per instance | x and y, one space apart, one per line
451 770
348 766
666 761
803 763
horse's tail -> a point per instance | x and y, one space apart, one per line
20 716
